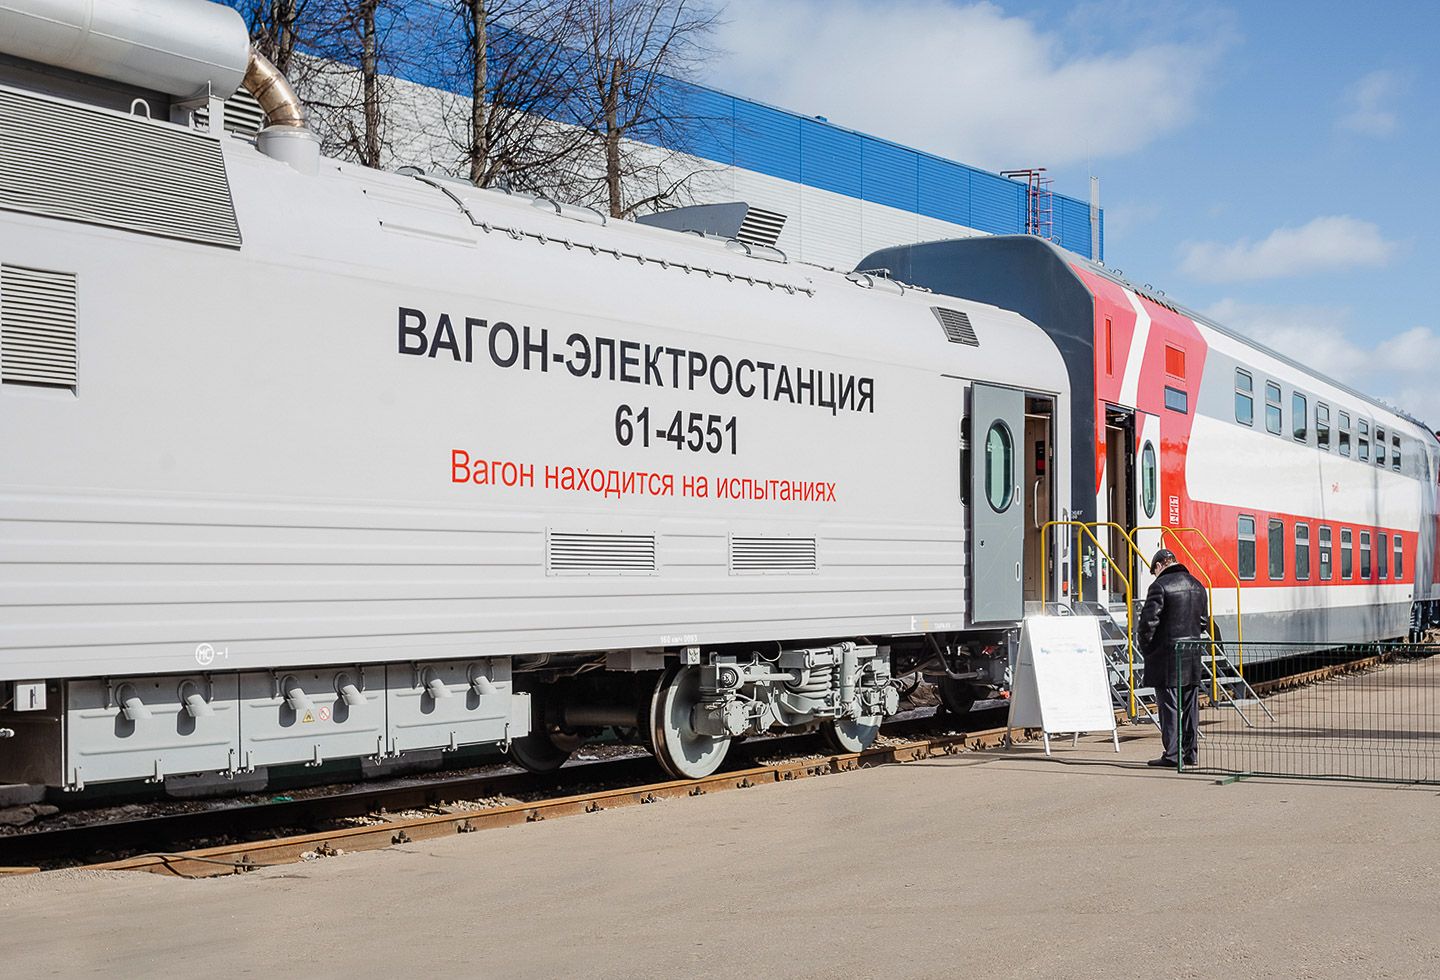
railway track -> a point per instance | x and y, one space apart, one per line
361 815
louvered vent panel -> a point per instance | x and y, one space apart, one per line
569 551
761 227
86 164
37 327
956 324
773 555
243 114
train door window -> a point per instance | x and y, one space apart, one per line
1272 408
1244 398
1362 436
1299 416
1379 446
1364 556
1326 569
1395 455
1245 557
1275 548
1302 552
1347 553
1382 555
1176 400
1344 434
999 466
1399 557
1322 426
1149 479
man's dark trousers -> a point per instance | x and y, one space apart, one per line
1169 701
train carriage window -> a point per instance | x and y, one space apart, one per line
1362 436
1244 399
1344 435
1382 556
1275 548
1395 455
999 466
1399 557
1302 552
1148 479
1322 426
1176 400
1245 556
1272 408
1347 553
1326 570
1379 446
1364 556
1299 416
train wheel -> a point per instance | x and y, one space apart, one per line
682 751
958 697
850 734
542 751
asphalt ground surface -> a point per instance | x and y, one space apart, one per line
993 864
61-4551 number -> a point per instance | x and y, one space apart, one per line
694 431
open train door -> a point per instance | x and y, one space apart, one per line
1147 507
997 507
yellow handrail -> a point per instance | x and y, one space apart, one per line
1239 620
1129 591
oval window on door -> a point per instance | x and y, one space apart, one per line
1148 479
999 466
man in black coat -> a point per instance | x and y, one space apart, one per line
1175 608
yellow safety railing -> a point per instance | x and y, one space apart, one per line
1174 533
1087 527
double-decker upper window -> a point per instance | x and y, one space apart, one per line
1344 435
1379 446
1273 420
1322 426
1362 436
1299 416
1244 398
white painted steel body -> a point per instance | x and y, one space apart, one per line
249 462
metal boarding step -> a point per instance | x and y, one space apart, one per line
1226 681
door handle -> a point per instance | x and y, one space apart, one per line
1035 503
1017 571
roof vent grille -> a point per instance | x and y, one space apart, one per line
37 327
572 552
956 324
756 554
761 227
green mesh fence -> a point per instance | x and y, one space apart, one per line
1366 712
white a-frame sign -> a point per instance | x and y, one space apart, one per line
1060 683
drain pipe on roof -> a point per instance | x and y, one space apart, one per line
285 137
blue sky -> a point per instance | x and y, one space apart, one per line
1271 164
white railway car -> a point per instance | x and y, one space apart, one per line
305 461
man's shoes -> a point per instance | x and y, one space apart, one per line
1191 763
1162 763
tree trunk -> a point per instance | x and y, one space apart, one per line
284 14
613 132
479 94
370 82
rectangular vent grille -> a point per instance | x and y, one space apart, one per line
761 227
81 163
243 114
956 324
568 551
773 555
37 327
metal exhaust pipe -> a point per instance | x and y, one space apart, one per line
273 91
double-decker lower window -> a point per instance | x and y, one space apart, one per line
1347 553
1245 558
1302 552
1275 549
1326 571
1365 568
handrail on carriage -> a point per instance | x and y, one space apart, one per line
1088 528
1175 533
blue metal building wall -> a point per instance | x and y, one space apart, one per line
743 133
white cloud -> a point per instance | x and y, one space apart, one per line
965 81
1399 369
1367 106
1324 244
